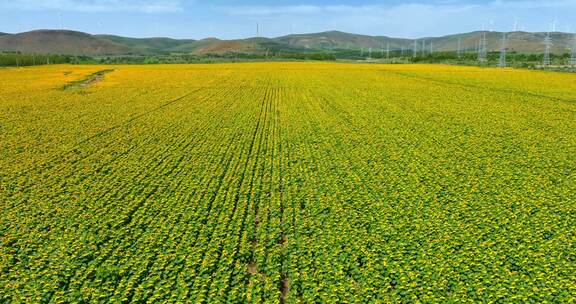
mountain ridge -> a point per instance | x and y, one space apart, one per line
80 43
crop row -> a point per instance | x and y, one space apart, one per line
287 182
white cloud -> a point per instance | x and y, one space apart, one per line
270 10
531 4
143 6
341 9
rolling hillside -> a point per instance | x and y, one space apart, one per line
335 40
522 42
77 43
157 44
192 46
61 42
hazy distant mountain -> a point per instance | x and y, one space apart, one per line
77 43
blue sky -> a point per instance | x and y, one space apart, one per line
238 19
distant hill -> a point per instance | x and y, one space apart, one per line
191 47
522 42
61 42
151 45
335 40
78 43
223 46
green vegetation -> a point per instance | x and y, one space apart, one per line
515 60
212 58
18 59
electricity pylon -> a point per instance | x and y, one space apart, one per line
503 46
573 57
482 52
548 46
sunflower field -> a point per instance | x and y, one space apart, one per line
287 183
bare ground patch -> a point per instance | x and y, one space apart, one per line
87 81
284 287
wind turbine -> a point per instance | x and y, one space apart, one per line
61 21
516 24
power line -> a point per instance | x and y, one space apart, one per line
61 21
423 47
573 57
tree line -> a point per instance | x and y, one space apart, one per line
14 59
